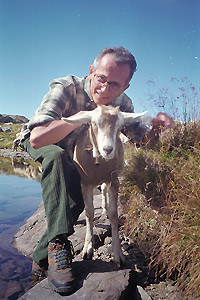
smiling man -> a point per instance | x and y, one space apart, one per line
50 140
109 78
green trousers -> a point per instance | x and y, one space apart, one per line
61 192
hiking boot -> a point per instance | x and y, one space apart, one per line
60 273
38 274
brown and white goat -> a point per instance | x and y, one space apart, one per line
99 157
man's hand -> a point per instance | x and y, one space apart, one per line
160 123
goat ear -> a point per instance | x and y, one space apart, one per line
79 119
131 117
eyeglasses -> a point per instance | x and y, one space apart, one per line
114 87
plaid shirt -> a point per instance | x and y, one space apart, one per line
66 97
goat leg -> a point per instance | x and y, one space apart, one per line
113 217
89 212
104 191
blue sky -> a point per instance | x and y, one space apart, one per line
44 39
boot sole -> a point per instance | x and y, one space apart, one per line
62 290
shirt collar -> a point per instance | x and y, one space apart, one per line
87 88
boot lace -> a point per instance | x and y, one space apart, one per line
64 254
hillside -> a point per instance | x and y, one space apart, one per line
15 119
10 125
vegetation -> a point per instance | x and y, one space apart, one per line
9 166
182 104
161 186
7 138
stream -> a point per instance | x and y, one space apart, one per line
20 194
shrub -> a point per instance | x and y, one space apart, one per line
162 188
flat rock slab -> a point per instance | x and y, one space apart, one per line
112 285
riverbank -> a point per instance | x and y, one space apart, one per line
14 153
19 198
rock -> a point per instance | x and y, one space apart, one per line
13 288
102 283
12 119
5 129
14 154
164 290
97 279
14 274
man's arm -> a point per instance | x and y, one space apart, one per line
51 132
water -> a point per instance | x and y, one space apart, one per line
19 199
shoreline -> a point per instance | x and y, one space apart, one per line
5 152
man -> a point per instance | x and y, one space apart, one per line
50 140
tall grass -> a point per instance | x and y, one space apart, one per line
161 187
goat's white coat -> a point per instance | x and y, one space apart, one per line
98 156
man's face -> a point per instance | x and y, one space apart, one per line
109 80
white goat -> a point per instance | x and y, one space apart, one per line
98 156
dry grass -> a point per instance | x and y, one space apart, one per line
162 189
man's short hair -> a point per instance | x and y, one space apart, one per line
121 56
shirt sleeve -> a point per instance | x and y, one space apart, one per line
124 102
137 130
52 106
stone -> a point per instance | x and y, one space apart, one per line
99 278
14 154
111 285
13 288
6 129
164 290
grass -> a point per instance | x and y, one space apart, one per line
7 138
10 166
161 188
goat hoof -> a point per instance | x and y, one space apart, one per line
120 261
87 255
